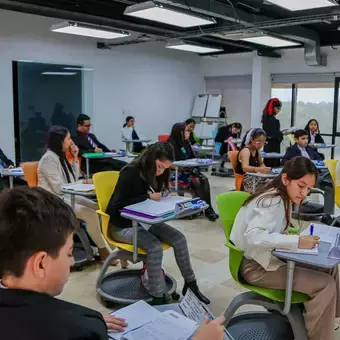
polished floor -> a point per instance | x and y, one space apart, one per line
209 258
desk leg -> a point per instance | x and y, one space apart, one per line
126 148
135 245
254 184
176 179
73 202
11 185
87 168
289 287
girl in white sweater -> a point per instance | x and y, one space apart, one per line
261 226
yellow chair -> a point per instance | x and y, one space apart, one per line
105 183
331 165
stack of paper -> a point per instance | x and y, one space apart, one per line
80 187
325 232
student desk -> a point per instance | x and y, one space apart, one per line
321 260
106 155
259 175
272 155
205 139
127 141
324 146
74 193
124 287
190 163
11 173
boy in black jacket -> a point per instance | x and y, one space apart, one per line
36 243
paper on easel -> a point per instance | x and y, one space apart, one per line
169 326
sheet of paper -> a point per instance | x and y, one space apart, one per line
79 187
326 233
313 251
194 309
169 326
13 170
135 315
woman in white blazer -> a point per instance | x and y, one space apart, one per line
129 133
262 225
54 171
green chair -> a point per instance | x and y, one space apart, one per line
228 205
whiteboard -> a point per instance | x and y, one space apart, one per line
214 106
200 105
204 129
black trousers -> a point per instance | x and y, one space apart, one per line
272 146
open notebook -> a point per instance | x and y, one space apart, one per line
80 187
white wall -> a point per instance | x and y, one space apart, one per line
152 83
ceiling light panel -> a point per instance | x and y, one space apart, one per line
59 73
167 15
267 40
299 5
201 49
88 31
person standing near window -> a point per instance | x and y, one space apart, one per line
271 125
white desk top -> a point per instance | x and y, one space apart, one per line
15 172
324 146
144 140
68 190
205 137
257 174
192 163
272 155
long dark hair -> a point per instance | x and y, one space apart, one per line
295 169
55 139
127 120
162 151
177 135
317 124
237 126
190 121
257 132
269 108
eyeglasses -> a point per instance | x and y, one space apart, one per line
260 142
88 125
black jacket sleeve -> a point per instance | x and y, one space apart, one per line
313 154
290 153
100 145
272 128
83 144
319 139
222 134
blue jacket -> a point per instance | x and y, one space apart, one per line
294 151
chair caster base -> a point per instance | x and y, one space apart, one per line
108 304
77 268
175 296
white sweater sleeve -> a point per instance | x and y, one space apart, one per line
260 231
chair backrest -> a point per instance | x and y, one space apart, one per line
218 147
69 156
30 170
291 139
228 205
105 183
331 165
163 138
232 155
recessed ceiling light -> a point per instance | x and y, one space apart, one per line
189 47
88 30
267 40
168 15
59 73
299 5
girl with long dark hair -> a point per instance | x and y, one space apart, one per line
54 171
271 125
146 178
314 135
262 225
190 178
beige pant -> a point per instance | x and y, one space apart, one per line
321 286
85 210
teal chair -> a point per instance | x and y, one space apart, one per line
228 205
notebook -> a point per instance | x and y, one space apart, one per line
313 251
80 187
326 233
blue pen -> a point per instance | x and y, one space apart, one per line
311 229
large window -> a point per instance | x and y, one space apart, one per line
284 93
45 95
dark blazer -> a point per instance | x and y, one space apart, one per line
85 146
5 160
130 189
179 154
34 316
294 151
318 138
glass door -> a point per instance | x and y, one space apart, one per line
336 121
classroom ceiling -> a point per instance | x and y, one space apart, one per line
311 28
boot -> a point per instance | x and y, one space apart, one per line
194 288
211 215
158 301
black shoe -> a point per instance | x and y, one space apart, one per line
194 288
158 301
211 215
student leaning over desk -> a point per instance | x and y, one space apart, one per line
261 226
36 242
147 177
54 171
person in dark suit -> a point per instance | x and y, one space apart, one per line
88 143
301 148
5 164
271 125
314 135
36 254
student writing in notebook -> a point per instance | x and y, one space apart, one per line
147 177
36 241
262 225
54 171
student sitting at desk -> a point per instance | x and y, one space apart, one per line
190 178
249 159
262 225
88 143
190 126
54 171
225 135
147 177
301 148
314 135
129 132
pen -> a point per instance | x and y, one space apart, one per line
311 230
153 191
